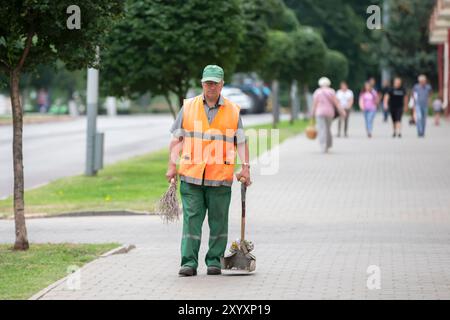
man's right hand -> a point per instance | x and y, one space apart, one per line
171 172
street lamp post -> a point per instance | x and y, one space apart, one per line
94 140
385 72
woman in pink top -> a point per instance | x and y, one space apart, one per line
368 100
324 100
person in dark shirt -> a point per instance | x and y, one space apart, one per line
396 99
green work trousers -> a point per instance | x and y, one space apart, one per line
196 201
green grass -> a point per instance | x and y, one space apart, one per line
34 118
24 273
5 119
134 184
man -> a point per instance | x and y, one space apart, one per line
422 95
207 131
346 99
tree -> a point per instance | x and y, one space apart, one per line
260 16
281 17
162 46
34 32
308 62
335 67
293 56
253 46
409 52
280 56
310 50
276 62
342 24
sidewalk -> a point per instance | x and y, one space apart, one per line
317 226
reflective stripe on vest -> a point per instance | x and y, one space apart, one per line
208 149
211 183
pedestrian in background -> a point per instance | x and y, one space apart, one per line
373 84
42 100
422 95
438 110
324 104
368 100
396 101
346 99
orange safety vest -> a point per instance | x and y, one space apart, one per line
208 149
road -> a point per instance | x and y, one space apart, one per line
58 149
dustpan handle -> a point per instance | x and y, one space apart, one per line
243 192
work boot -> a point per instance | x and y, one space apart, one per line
213 271
187 272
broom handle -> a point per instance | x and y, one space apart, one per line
243 192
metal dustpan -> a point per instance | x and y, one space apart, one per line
239 257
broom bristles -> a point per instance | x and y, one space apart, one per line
169 207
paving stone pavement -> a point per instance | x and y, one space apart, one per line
317 225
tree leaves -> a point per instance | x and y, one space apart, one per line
163 46
342 25
51 38
408 51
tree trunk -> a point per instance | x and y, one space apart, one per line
293 96
169 102
181 98
275 103
21 242
307 103
181 94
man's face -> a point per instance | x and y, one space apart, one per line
212 89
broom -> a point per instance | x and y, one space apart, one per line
168 206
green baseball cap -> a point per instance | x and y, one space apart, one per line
212 73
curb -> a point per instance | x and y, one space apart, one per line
119 250
86 214
98 214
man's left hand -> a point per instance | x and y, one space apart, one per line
244 173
